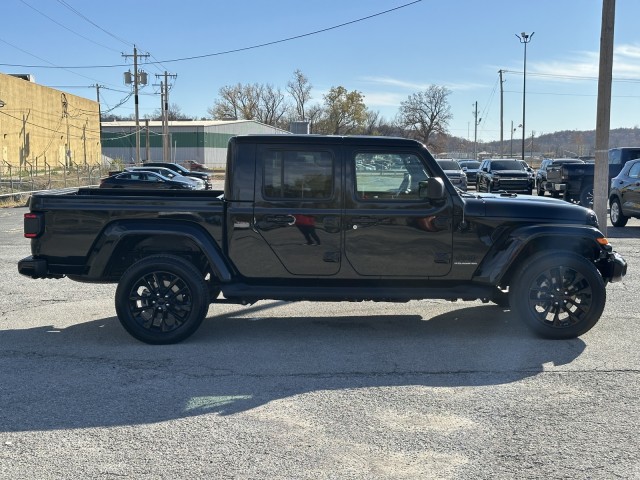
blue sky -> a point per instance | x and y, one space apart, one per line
460 44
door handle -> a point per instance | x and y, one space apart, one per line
281 219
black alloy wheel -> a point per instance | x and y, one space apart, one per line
558 294
162 299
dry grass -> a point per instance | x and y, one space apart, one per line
14 201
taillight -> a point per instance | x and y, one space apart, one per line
33 225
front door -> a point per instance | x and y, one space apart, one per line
389 230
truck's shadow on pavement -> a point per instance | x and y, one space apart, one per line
93 374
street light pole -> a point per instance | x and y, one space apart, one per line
524 38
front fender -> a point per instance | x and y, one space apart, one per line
108 241
509 249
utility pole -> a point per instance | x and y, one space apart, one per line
138 78
603 116
501 115
148 145
475 133
512 130
524 39
164 108
99 110
65 113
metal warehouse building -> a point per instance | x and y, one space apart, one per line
201 141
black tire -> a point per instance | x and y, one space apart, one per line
615 213
586 197
555 194
540 190
162 299
501 299
558 294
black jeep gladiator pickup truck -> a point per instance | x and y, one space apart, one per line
311 218
574 181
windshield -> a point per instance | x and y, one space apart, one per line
448 164
506 165
470 164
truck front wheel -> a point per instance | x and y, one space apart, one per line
558 294
162 299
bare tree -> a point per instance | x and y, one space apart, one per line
272 106
426 113
300 89
174 113
237 101
263 103
314 115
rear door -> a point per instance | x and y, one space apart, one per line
389 230
297 209
631 193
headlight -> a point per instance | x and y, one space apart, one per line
592 218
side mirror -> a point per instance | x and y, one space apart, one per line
464 169
431 189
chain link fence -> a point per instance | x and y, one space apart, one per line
20 181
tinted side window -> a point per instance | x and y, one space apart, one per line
298 174
634 171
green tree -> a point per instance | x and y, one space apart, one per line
343 113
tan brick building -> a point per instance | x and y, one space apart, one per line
43 128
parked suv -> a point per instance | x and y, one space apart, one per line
505 175
453 171
624 199
470 167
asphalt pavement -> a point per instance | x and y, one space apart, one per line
426 389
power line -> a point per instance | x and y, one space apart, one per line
65 4
572 77
226 52
39 58
67 28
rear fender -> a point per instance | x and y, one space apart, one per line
117 232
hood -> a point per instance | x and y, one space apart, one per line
528 208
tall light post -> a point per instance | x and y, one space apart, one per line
524 38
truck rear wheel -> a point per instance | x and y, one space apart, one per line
558 294
586 197
162 299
